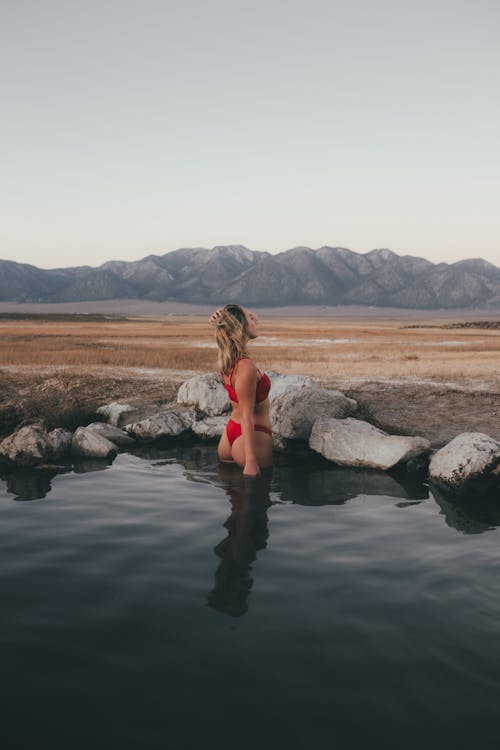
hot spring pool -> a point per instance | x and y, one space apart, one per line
166 602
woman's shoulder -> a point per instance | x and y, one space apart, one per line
245 366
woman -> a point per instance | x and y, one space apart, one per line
247 439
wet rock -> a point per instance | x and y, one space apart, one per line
28 446
351 442
211 427
294 413
206 392
113 434
60 440
468 463
88 443
169 422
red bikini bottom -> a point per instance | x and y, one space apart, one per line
233 430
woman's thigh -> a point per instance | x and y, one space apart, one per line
263 446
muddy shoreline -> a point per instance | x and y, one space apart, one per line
67 397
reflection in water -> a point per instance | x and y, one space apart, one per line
323 484
88 465
35 484
469 515
304 480
192 455
29 484
247 533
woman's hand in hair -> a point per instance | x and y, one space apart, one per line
215 317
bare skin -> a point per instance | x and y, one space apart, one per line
252 450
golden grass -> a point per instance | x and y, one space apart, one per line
321 347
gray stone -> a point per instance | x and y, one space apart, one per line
294 413
169 422
121 414
60 440
88 443
281 384
211 427
206 392
113 434
351 442
470 461
28 446
113 411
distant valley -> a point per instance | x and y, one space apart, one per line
300 276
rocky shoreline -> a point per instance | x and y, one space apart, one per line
305 417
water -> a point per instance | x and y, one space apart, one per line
164 602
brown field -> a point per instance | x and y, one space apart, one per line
428 380
328 349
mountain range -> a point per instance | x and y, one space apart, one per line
300 276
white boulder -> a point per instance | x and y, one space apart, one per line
206 392
471 460
351 442
112 412
281 384
211 427
113 434
28 446
88 443
294 412
169 422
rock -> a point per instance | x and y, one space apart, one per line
111 433
208 395
471 461
112 412
294 413
60 440
281 384
28 446
169 422
89 444
351 442
211 427
206 392
121 414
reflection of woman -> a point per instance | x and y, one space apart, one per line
247 532
247 438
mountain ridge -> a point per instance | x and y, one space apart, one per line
297 276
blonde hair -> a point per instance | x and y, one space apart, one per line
231 334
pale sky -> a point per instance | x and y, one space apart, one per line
131 127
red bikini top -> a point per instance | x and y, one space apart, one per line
261 391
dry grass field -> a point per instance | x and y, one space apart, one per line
325 348
429 380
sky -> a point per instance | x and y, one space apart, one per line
131 127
